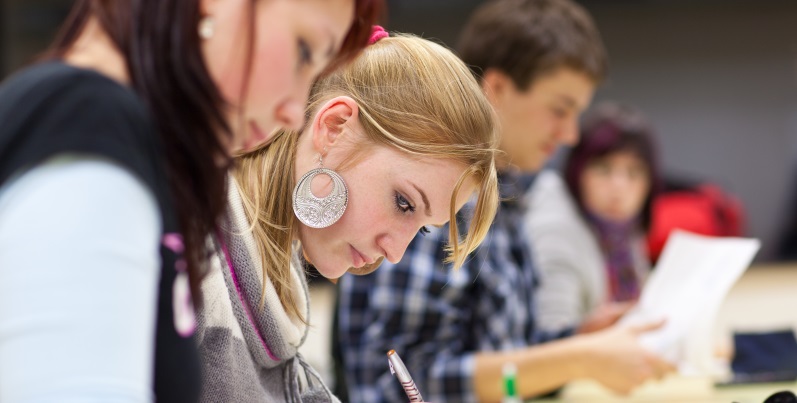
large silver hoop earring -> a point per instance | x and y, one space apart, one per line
320 212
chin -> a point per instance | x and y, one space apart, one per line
331 273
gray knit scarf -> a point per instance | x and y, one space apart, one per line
249 353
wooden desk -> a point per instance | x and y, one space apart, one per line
672 390
763 299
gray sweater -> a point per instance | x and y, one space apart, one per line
567 254
249 353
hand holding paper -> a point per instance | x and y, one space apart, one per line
687 287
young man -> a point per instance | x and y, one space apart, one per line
539 61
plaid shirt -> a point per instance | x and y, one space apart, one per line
437 319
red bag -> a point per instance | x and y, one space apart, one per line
703 209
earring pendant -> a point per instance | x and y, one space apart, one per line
320 212
207 27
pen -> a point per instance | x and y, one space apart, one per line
510 389
397 368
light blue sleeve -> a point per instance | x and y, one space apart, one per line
79 271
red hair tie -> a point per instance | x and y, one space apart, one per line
377 33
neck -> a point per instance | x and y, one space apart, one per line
95 50
606 224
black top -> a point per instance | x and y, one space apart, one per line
53 108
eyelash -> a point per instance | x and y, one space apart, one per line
403 206
305 55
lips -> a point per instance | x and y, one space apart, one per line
358 259
549 149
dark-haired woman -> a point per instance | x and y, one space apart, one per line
588 230
113 160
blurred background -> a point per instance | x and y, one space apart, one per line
718 78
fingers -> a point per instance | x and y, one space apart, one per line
604 316
647 327
613 312
662 367
621 308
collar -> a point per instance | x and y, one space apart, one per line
513 185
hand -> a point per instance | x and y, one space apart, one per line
604 316
617 360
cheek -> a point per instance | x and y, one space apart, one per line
363 218
593 191
639 191
327 256
273 74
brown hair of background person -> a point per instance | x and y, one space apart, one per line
526 39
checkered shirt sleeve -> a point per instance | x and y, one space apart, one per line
412 307
437 318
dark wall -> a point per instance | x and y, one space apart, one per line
27 28
717 77
3 40
719 80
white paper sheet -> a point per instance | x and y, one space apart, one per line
687 287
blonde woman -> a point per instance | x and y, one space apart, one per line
394 143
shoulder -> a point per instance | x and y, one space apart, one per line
554 223
550 204
52 108
56 90
549 192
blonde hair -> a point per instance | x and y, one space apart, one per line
413 95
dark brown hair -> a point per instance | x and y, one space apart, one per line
528 38
161 46
608 129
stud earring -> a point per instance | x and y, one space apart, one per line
320 212
207 27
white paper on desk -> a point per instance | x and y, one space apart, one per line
687 287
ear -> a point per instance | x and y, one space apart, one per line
331 121
496 85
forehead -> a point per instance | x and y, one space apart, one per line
321 17
436 176
425 169
622 156
341 10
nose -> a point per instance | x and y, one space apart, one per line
619 180
290 115
568 132
395 243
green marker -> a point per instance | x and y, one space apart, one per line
510 389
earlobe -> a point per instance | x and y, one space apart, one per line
207 23
332 120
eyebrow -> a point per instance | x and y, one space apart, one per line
427 209
568 100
